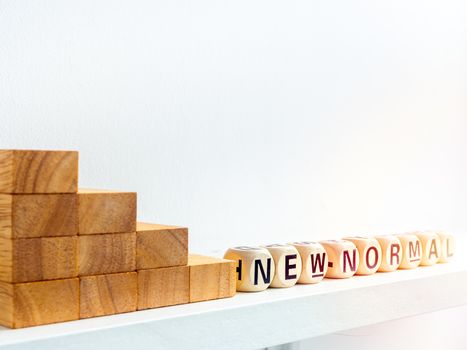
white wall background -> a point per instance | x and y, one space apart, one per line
250 121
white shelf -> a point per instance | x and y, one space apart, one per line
255 320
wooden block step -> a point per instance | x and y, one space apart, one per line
36 259
38 215
29 171
163 287
211 278
102 211
37 303
107 253
160 246
108 294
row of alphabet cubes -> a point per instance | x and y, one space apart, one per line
47 258
36 303
284 265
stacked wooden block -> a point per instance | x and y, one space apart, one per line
67 254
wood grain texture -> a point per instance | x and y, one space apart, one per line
211 278
103 211
160 246
108 294
38 303
108 253
163 287
29 171
38 215
37 259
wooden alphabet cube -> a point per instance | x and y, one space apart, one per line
38 303
314 261
211 278
36 259
369 252
254 267
38 215
27 171
160 246
110 253
343 258
288 265
102 211
447 246
163 287
431 247
391 253
411 251
108 294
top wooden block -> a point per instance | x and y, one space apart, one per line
27 171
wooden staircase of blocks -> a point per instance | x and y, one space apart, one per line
69 253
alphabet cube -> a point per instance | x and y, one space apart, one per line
37 303
102 211
391 253
160 246
314 261
431 247
108 294
411 251
38 215
369 252
447 246
36 259
110 253
343 258
254 267
288 265
27 171
163 287
211 278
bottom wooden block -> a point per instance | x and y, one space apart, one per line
108 294
211 278
37 303
163 287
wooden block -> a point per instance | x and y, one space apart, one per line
288 265
391 253
314 261
37 303
160 246
211 278
38 215
37 259
110 253
431 247
254 267
163 287
369 252
108 294
411 251
27 171
102 211
343 258
448 246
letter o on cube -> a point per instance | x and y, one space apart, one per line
369 251
314 261
343 258
447 246
255 268
288 265
431 247
391 253
411 251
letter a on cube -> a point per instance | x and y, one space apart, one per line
255 268
431 247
